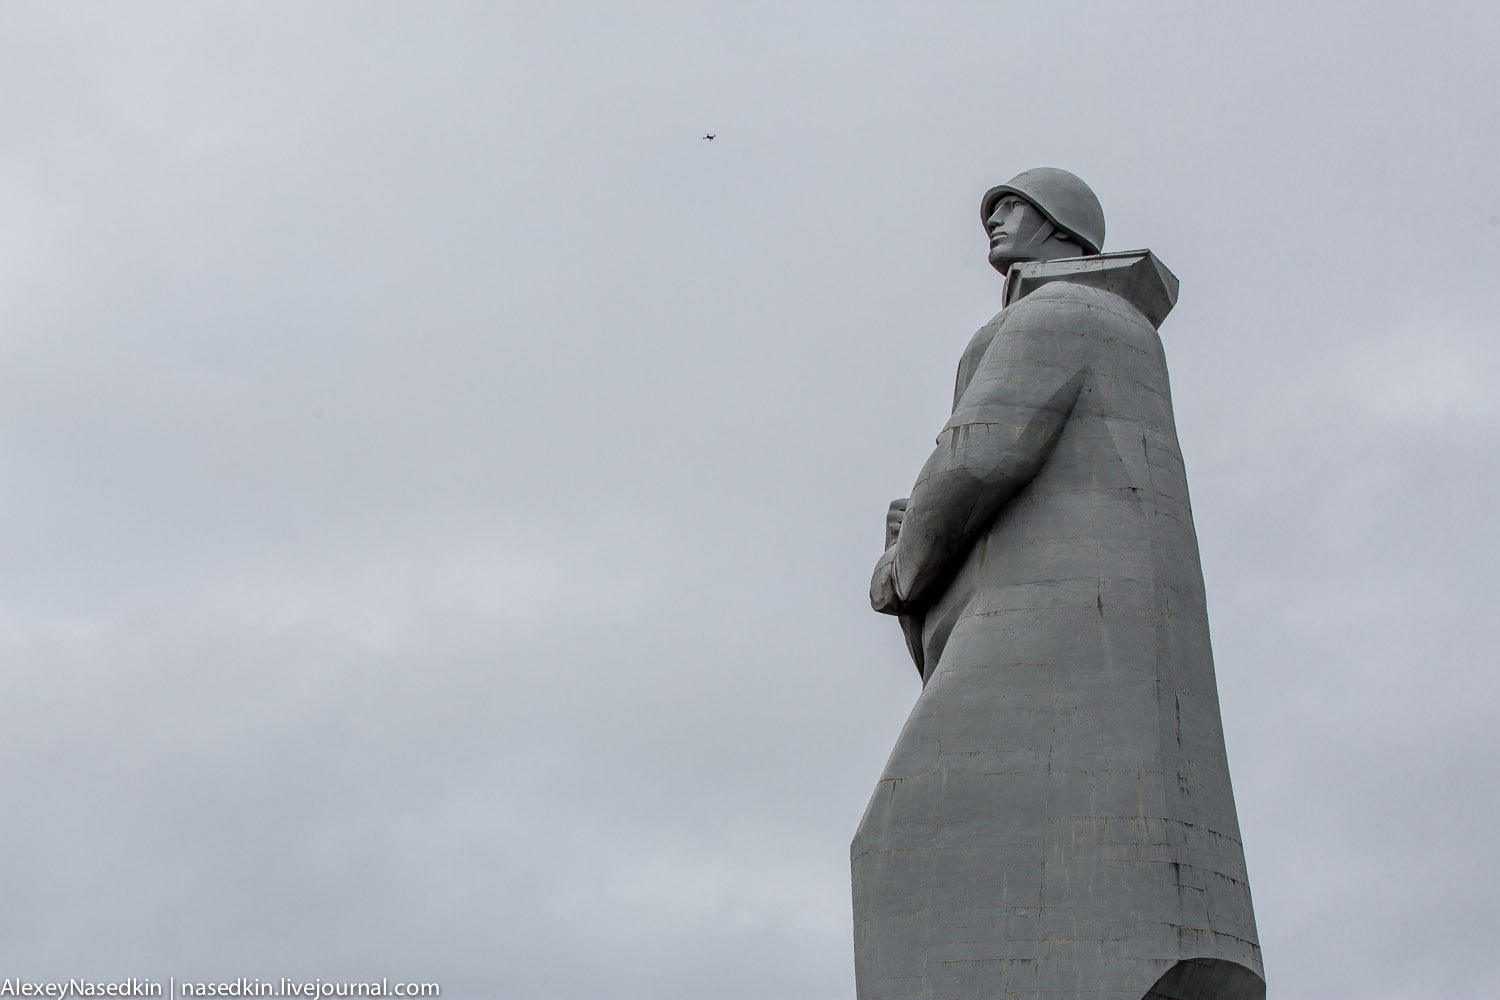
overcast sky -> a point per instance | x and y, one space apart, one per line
438 490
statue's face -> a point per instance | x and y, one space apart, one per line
1018 231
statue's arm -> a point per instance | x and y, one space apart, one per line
1004 427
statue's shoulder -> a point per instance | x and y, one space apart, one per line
1135 278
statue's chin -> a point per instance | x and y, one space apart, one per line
1001 260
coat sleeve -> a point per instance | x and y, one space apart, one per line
1003 428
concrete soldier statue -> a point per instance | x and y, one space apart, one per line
1056 820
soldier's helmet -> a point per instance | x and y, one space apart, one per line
1066 201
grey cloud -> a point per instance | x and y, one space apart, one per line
439 489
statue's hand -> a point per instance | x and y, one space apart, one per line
893 519
883 596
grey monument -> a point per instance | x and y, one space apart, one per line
1056 819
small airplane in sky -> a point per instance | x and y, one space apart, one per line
710 136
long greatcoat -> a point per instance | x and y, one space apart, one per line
1056 820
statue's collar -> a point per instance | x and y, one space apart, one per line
1134 275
